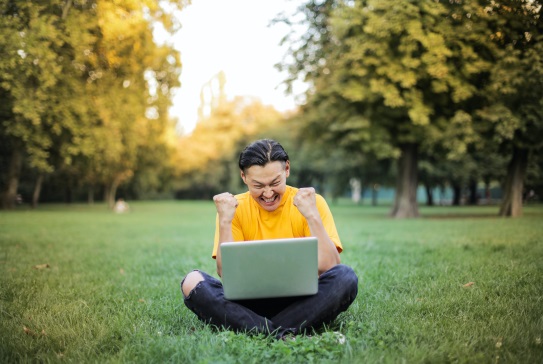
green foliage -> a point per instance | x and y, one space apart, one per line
207 159
516 91
87 87
448 76
325 166
28 73
110 292
407 69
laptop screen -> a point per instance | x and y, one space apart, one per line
270 268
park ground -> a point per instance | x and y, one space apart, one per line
80 283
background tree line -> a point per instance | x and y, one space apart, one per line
402 93
85 93
441 87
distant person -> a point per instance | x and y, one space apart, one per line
356 190
121 206
530 196
272 209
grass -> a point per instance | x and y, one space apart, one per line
81 284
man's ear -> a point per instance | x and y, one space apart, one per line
243 177
287 168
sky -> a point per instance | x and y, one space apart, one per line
233 36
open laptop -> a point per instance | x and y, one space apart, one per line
270 268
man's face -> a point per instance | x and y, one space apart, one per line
267 184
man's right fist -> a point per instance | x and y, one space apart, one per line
226 205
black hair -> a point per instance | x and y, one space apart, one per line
260 153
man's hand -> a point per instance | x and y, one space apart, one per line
226 205
306 202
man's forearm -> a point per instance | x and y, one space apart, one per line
328 254
225 235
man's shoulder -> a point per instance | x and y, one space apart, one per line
320 197
243 198
291 190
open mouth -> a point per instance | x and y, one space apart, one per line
269 201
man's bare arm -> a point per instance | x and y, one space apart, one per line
226 205
305 201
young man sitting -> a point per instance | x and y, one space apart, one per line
271 210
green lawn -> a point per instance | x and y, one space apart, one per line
82 284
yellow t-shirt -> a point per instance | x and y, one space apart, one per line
252 222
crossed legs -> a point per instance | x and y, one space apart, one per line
203 294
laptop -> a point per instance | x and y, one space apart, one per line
270 268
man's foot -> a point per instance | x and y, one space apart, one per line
286 335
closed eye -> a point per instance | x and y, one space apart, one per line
273 184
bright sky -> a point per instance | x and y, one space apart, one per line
232 36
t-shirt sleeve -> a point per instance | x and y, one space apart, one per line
328 222
236 232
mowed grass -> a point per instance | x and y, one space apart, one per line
82 284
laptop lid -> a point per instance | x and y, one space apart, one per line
270 268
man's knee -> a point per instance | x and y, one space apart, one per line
191 280
349 273
347 278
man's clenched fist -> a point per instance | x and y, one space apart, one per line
226 205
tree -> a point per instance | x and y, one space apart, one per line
387 76
207 158
514 108
86 88
31 38
130 83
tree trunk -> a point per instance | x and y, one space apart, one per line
374 194
9 195
429 195
514 183
37 191
405 202
68 195
66 8
111 192
473 195
106 193
487 191
457 193
90 195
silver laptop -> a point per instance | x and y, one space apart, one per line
270 268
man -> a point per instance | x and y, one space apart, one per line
272 209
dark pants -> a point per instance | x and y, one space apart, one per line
338 288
